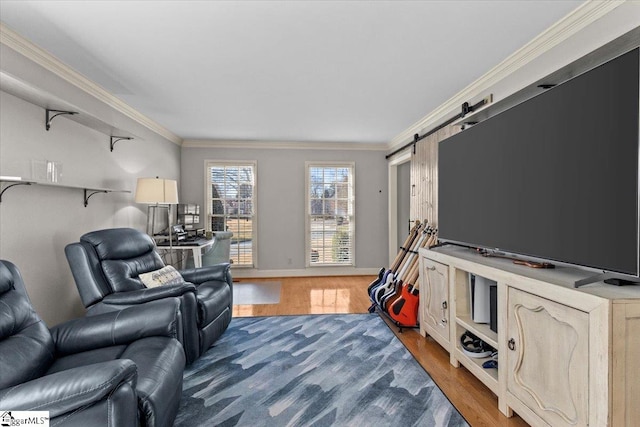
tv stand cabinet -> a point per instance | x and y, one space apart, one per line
566 356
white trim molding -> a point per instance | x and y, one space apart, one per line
392 173
581 17
286 145
15 41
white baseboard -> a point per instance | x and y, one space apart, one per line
242 273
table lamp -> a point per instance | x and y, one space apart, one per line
157 193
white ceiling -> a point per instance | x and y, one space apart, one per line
329 71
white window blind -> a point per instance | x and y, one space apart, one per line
330 214
231 193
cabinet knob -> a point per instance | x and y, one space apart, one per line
433 267
443 321
444 305
511 344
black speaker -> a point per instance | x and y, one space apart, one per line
493 308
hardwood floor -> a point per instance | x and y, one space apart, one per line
348 294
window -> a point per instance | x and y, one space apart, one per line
231 195
330 218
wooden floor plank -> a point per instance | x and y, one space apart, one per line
348 294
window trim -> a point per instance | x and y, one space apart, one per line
307 216
254 232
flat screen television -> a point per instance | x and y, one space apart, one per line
553 178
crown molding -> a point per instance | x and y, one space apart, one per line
285 145
15 41
582 16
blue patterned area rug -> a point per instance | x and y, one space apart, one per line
318 370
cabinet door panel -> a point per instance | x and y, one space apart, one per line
436 298
547 358
626 366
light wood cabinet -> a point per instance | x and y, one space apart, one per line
434 301
626 364
566 356
547 358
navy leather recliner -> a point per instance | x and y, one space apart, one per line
106 265
113 369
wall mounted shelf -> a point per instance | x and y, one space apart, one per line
12 181
55 107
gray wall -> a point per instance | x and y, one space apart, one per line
281 202
37 222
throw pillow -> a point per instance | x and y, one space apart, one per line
165 276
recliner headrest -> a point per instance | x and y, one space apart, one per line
119 243
6 278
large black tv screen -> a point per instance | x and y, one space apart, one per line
553 178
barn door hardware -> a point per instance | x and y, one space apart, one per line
464 110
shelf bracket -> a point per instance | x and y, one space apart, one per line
12 185
87 197
115 139
55 114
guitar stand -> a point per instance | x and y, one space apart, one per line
374 307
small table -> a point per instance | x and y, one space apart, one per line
196 247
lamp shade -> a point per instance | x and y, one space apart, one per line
157 190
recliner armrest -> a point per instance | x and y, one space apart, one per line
155 318
204 274
140 296
69 390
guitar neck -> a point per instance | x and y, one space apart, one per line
404 249
433 239
412 253
412 277
406 270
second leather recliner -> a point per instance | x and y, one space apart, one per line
113 369
106 265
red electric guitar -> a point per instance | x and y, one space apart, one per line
377 289
404 310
